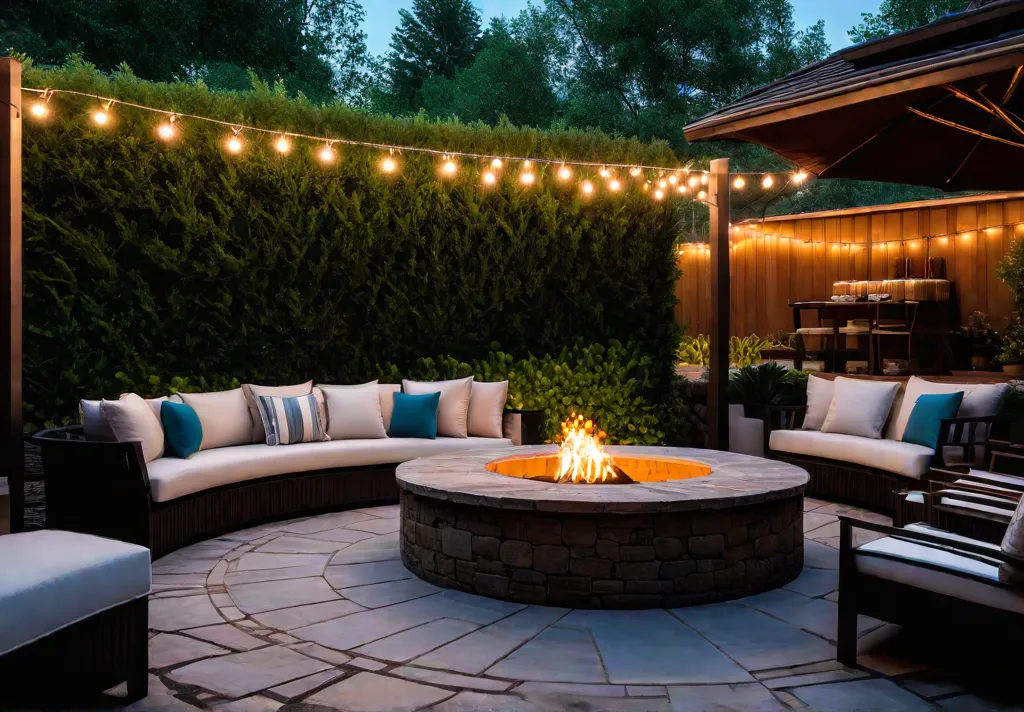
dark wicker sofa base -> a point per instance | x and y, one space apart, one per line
852 484
81 660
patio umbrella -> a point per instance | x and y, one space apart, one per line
937 106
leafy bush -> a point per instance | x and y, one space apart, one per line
694 350
148 262
743 351
755 387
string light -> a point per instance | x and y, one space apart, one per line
739 183
166 130
449 168
234 144
659 194
39 107
615 185
496 164
635 171
527 178
767 182
663 184
389 164
605 173
681 189
327 154
673 179
587 188
489 178
694 181
701 195
101 117
799 177
703 178
564 173
282 144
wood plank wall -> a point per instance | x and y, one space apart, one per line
799 257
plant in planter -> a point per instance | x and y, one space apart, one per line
747 351
755 387
1011 355
694 350
983 338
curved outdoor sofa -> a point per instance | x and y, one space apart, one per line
107 489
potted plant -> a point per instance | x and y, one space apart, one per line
983 339
755 387
694 355
1011 355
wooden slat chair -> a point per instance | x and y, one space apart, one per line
932 582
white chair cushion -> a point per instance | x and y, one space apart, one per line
170 478
224 416
251 392
486 408
354 412
132 418
980 399
453 407
936 569
52 579
819 398
860 407
890 455
387 393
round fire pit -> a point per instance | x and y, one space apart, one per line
694 526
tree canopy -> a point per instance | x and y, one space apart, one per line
900 15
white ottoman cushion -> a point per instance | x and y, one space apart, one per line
52 579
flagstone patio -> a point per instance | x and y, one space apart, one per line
319 614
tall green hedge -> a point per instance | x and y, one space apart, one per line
149 264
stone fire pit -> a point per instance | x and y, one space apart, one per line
696 526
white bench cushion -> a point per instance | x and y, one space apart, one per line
170 478
51 579
937 569
890 455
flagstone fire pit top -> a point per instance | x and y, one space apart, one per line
733 480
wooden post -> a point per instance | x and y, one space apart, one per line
11 461
718 403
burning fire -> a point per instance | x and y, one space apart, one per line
582 457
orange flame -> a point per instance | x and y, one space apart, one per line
582 456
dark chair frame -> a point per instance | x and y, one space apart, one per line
910 606
860 485
102 488
82 659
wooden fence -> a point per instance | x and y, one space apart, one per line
798 257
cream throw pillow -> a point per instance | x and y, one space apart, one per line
252 392
132 418
819 398
453 408
354 412
96 428
859 407
486 408
224 416
387 393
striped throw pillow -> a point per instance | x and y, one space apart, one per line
292 420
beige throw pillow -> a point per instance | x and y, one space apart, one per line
387 393
252 392
224 416
96 428
486 408
353 412
132 418
819 399
859 407
453 408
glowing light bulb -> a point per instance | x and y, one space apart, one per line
701 195
39 109
389 165
489 178
527 165
100 117
587 188
739 183
496 164
634 171
564 173
527 178
166 130
673 179
681 189
694 180
659 194
799 177
615 185
450 168
234 144
326 154
703 178
605 173
282 144
663 184
767 182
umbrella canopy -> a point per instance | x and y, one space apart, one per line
937 106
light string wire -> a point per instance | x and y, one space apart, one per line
47 94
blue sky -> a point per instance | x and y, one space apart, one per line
839 16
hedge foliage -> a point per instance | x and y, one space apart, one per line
152 267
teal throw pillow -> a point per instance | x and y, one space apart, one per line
923 426
415 416
183 433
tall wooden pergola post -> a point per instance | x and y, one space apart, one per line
718 404
11 463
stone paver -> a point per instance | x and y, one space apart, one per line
477 701
229 636
300 687
168 649
243 673
172 614
298 616
298 545
366 574
814 582
271 595
252 561
450 679
861 696
555 655
369 692
724 698
384 594
408 644
812 614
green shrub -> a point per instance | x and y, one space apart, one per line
147 262
755 387
745 351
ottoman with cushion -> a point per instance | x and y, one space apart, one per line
73 610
